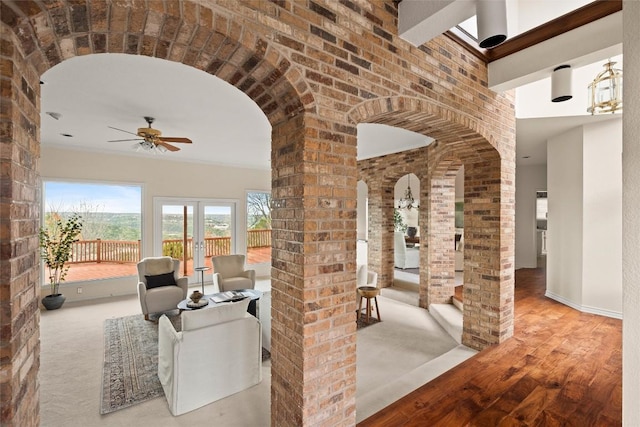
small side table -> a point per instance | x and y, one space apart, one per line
370 293
202 270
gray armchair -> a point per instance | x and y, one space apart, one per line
159 287
229 273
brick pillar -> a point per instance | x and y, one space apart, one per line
381 230
488 295
19 203
441 239
313 274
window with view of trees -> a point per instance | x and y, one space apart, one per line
109 244
258 227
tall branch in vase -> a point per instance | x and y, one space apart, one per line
56 245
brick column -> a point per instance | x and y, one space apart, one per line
380 239
19 204
313 274
488 295
440 282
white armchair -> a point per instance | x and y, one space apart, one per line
159 287
218 353
459 257
404 257
365 277
229 273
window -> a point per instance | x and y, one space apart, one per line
109 244
258 227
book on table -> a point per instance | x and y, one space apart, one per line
228 296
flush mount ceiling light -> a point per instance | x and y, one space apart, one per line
491 17
605 91
561 84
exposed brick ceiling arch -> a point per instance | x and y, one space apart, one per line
181 31
455 134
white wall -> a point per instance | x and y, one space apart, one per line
602 216
159 178
631 219
531 13
529 179
584 239
564 223
362 222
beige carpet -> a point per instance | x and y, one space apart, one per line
72 354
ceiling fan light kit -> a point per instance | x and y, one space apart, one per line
150 139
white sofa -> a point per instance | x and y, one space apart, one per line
404 257
218 353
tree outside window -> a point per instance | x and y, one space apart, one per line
109 244
258 227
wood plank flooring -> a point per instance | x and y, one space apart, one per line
561 368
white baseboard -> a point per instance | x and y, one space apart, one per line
584 308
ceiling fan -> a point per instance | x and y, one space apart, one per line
151 139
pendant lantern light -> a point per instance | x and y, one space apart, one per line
605 92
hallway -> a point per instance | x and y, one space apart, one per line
562 367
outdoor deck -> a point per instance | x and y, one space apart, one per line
93 270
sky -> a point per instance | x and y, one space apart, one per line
69 197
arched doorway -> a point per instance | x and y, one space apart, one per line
245 60
458 141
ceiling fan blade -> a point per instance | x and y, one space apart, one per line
167 146
124 140
122 130
174 139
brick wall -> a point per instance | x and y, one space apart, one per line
19 190
316 68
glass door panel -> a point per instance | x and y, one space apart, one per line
194 230
177 228
218 231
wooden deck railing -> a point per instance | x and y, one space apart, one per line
105 251
116 251
258 238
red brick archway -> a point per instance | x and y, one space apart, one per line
306 65
459 139
186 32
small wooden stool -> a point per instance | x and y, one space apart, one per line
369 292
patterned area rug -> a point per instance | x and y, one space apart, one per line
129 373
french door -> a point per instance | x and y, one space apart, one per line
194 230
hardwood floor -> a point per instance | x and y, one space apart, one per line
561 368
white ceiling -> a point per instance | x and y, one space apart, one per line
94 92
532 135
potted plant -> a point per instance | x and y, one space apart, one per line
56 244
398 221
